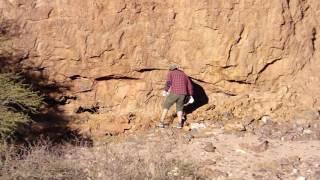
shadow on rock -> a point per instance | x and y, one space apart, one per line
49 122
200 97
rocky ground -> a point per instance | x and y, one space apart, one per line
202 150
272 152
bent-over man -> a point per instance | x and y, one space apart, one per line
178 86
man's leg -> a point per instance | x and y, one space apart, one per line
170 99
163 115
179 104
180 113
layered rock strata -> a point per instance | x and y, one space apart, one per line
249 58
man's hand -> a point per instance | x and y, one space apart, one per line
165 93
191 100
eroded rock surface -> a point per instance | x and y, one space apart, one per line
249 58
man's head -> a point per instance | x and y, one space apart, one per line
173 67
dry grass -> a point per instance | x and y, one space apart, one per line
44 161
38 161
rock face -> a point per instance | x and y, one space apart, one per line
248 58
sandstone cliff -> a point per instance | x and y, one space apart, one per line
249 58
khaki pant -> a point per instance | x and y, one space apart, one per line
173 98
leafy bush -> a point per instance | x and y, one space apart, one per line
9 121
17 102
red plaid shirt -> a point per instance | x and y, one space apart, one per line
178 83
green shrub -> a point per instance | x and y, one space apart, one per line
10 121
17 102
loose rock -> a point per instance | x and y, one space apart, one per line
194 126
209 147
229 127
300 178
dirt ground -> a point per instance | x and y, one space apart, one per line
203 150
221 155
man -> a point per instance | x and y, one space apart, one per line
180 86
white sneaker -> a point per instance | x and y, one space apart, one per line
179 125
160 125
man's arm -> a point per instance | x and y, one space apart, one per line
190 89
168 82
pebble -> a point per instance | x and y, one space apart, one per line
216 174
188 137
209 147
294 171
174 172
209 162
186 128
300 178
265 119
307 131
194 126
240 151
261 147
316 175
300 129
234 127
